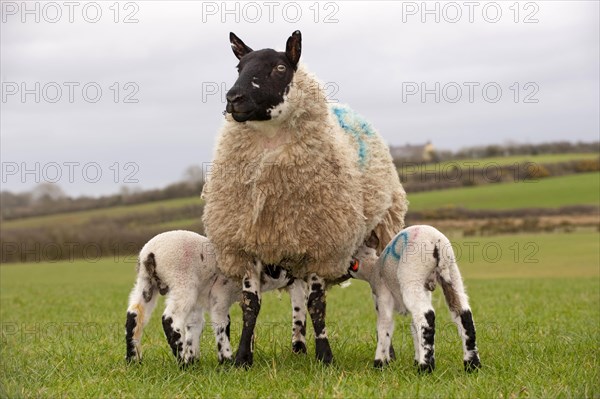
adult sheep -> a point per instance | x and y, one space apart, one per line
294 183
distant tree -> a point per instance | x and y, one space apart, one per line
128 191
193 175
45 192
12 200
493 151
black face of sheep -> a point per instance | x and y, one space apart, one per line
264 80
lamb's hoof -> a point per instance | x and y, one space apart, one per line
473 364
380 364
323 351
226 360
183 365
243 360
298 347
133 359
426 368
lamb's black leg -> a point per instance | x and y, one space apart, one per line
250 305
130 327
316 308
471 361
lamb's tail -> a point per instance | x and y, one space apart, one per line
457 300
142 301
393 221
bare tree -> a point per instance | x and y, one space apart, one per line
193 175
47 192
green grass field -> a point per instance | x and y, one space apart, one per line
535 298
75 218
552 192
465 164
539 159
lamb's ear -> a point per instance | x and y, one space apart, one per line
293 48
238 46
372 241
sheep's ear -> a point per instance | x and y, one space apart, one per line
293 48
372 241
238 46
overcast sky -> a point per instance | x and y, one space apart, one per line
500 72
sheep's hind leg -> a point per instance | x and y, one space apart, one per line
142 302
297 292
193 331
178 306
458 303
471 359
250 305
316 308
418 304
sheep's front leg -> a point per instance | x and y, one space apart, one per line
222 297
297 292
384 305
250 305
316 308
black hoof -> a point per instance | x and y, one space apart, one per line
226 360
183 365
426 368
298 347
323 351
132 359
379 364
472 365
243 360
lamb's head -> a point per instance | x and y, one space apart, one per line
365 260
259 93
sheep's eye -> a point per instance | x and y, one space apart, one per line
280 68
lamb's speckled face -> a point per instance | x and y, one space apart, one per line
264 79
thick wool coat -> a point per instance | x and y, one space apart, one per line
303 192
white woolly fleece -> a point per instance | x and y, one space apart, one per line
294 192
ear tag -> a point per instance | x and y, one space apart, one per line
354 265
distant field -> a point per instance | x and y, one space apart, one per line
579 189
500 161
536 303
74 218
552 192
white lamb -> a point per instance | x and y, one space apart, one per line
402 279
182 265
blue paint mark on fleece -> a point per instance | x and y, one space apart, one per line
357 126
390 249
